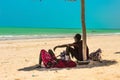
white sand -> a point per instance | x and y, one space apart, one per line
17 54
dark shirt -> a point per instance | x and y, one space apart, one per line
78 49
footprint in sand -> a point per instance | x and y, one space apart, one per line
117 76
17 79
26 60
99 72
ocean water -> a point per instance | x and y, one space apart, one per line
39 33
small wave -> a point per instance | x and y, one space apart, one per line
18 37
103 34
43 36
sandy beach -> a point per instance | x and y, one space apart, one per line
18 59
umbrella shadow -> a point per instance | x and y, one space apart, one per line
98 64
94 64
34 67
29 68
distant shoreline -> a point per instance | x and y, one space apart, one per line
49 36
13 33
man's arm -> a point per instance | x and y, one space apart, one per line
60 46
65 45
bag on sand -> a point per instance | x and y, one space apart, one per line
96 56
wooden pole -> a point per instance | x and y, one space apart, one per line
83 29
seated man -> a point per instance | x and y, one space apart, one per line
76 51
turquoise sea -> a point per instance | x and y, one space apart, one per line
38 33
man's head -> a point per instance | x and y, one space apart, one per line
77 37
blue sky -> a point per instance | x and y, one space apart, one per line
59 13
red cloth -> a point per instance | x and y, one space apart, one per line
65 64
47 58
70 64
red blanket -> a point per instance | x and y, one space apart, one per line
65 64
